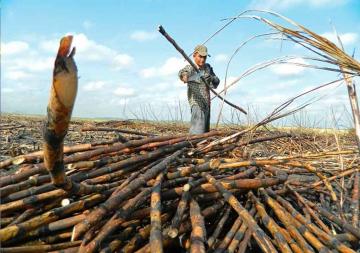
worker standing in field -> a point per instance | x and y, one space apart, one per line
198 93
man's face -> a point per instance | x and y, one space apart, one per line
199 60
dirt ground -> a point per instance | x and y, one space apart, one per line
22 134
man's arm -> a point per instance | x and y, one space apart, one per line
184 73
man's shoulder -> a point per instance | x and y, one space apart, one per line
187 67
208 66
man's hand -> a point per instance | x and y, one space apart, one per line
184 77
208 78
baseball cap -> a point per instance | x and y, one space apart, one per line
201 50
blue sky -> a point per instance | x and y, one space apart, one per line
128 70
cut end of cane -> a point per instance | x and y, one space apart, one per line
173 232
215 163
78 230
65 202
19 160
65 45
186 187
73 234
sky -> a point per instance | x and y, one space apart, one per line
128 70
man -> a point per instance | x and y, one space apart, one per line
198 93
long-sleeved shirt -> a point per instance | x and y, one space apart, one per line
198 93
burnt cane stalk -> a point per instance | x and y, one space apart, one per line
259 235
61 103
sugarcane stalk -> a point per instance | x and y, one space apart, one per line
186 171
32 181
141 236
331 217
118 218
288 219
355 200
56 238
40 248
125 131
68 250
185 226
229 236
113 202
24 216
271 225
33 200
212 239
123 147
40 154
50 216
155 216
350 84
242 184
62 99
28 192
183 203
290 240
116 243
302 201
244 174
347 237
244 243
198 233
128 228
326 238
259 235
238 236
173 182
342 174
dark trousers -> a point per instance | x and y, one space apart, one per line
200 120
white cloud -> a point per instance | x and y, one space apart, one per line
286 4
275 98
16 75
14 47
229 81
290 68
346 38
148 72
87 24
89 50
30 63
170 67
49 45
221 57
124 91
7 90
122 61
143 36
94 85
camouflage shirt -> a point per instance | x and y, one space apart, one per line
198 93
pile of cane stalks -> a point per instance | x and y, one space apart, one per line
261 191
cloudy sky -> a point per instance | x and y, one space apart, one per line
127 70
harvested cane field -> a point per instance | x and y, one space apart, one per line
154 187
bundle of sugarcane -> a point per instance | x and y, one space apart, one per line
176 193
